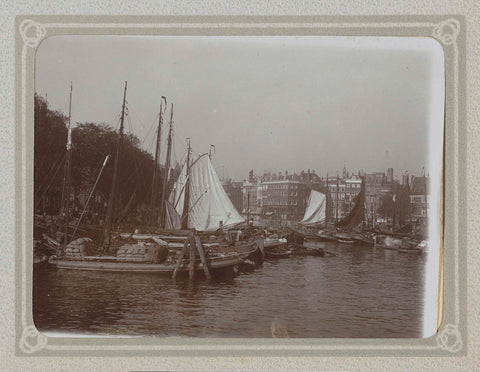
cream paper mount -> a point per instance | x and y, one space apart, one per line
450 33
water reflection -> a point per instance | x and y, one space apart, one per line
360 292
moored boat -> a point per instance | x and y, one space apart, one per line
274 242
344 239
386 242
278 253
409 246
131 265
203 206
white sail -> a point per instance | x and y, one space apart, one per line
209 205
315 211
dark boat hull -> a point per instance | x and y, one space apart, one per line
113 264
275 255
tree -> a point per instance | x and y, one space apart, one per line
50 138
91 142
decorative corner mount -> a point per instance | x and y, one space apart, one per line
32 32
450 339
447 31
32 340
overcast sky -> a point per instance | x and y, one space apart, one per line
277 103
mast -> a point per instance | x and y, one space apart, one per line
425 196
110 209
248 207
166 174
336 202
327 209
212 147
186 204
68 166
394 209
157 156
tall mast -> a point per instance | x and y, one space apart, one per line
186 204
167 170
327 209
336 197
425 195
157 156
394 209
110 208
68 166
248 206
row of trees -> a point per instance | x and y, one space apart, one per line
91 143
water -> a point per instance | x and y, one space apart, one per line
361 292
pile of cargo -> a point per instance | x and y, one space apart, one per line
79 248
143 252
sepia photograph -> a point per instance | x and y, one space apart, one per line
238 186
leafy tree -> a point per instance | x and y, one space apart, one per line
50 137
90 144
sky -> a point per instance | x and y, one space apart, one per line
277 103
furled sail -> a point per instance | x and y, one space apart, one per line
209 205
315 211
356 215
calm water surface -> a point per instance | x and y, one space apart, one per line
361 292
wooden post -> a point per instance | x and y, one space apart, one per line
186 197
199 246
180 258
191 265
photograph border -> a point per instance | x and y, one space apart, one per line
449 31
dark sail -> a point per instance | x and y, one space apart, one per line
356 215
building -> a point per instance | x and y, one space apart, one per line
377 187
252 200
353 186
284 201
419 197
342 193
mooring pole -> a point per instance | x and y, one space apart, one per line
191 266
186 201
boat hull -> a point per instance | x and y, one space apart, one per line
112 265
387 247
285 254
410 250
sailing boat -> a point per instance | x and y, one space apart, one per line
315 211
151 254
198 201
313 218
353 220
209 207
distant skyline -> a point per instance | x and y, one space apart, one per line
277 103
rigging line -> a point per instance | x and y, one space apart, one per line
137 115
116 120
152 138
150 148
137 171
52 170
194 205
90 196
42 190
51 181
